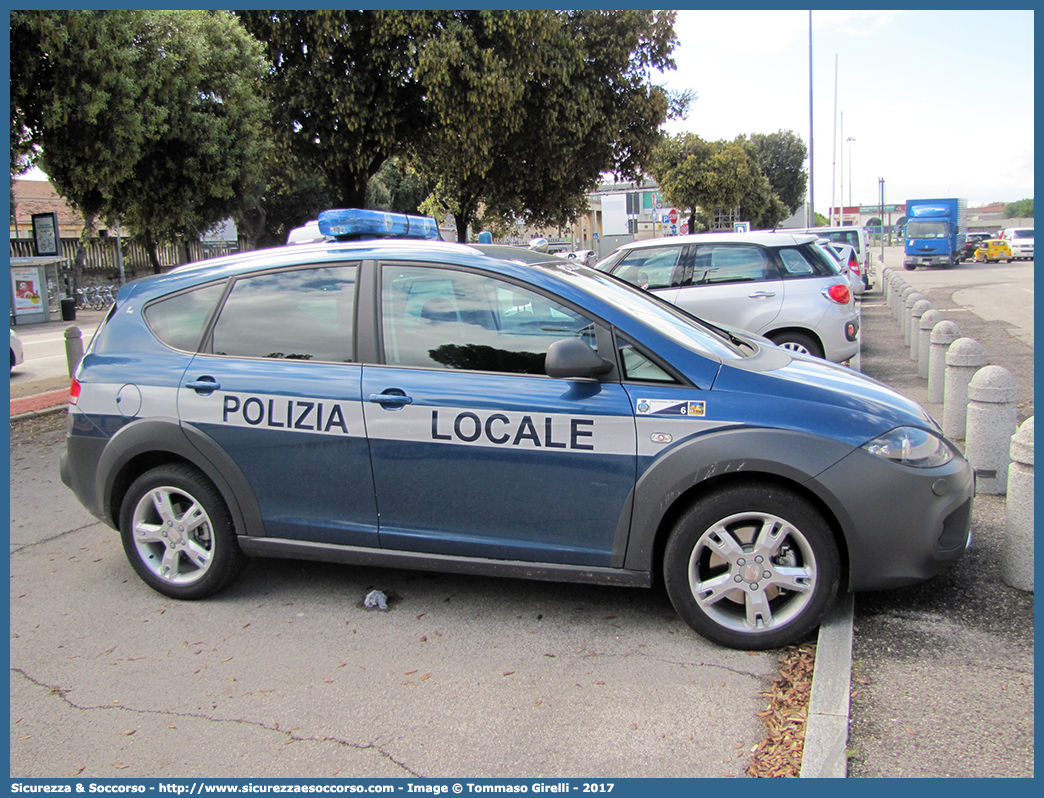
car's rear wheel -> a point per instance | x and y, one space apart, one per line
178 534
797 342
752 567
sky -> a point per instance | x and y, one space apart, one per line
939 103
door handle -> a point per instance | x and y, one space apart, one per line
391 399
761 294
204 385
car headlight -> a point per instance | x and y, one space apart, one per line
912 447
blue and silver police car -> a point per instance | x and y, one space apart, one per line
409 402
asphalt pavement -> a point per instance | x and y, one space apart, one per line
942 672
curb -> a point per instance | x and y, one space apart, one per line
826 730
41 403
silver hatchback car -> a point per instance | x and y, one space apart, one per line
778 285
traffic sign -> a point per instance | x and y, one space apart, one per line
673 216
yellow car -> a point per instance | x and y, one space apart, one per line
993 250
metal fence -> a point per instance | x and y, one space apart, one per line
101 255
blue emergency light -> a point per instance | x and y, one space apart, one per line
358 224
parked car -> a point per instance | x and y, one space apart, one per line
971 243
846 258
856 238
1020 239
17 352
517 254
584 256
481 416
779 285
993 250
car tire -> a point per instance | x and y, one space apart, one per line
797 342
752 567
178 534
909 267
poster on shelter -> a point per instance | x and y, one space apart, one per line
27 289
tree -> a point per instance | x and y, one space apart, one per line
696 174
1023 209
527 109
342 89
397 188
781 159
148 118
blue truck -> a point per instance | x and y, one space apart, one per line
935 232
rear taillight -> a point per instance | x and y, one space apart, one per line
838 293
74 392
853 263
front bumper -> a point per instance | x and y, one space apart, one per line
926 260
901 525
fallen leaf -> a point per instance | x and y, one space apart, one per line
119 765
508 673
128 732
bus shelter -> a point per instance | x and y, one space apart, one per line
35 289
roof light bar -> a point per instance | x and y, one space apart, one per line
357 224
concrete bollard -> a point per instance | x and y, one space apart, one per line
916 313
941 335
991 423
923 333
964 357
1017 554
896 293
900 303
73 347
887 286
908 303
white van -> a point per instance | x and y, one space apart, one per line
856 238
1020 241
306 234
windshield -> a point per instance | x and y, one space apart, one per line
655 313
927 229
1023 234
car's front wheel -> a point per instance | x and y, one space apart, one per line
178 534
752 567
797 342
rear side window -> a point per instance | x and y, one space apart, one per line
807 261
179 320
304 314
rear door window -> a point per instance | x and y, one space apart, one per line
731 263
300 314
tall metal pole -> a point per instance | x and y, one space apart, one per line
833 163
811 220
841 223
880 181
849 139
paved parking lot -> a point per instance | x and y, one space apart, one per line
286 674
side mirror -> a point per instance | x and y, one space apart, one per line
571 358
